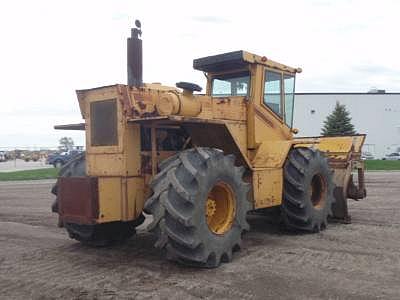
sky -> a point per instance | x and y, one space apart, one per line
51 48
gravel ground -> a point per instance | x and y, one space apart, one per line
356 261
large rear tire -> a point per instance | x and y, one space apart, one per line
308 190
199 206
98 234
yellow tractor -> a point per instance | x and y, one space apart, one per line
198 163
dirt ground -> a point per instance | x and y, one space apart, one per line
356 261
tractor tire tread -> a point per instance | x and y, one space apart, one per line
298 212
174 209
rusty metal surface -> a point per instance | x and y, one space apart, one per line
340 208
359 191
345 186
147 120
177 120
78 199
124 99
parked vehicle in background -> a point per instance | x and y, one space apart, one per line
60 159
31 156
392 156
3 156
367 156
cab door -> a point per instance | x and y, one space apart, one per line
273 135
274 107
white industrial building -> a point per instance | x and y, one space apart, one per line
375 113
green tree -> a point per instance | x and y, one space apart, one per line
66 143
338 122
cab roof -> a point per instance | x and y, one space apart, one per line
236 60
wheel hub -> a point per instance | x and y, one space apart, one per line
211 207
220 208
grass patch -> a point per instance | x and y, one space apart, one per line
29 174
384 165
50 173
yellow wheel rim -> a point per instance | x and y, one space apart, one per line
220 208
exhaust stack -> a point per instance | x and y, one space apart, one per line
135 56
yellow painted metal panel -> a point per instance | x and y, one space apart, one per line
253 58
267 187
123 160
132 163
338 147
238 132
341 178
109 199
105 164
255 93
135 197
271 154
229 108
340 144
96 95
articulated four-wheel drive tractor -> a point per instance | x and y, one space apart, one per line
198 163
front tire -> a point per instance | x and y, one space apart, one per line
199 207
308 190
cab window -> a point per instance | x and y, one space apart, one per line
288 83
234 84
272 91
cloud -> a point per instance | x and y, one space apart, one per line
321 2
341 45
210 19
372 69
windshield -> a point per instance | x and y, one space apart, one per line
236 84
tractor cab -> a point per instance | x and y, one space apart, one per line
258 79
